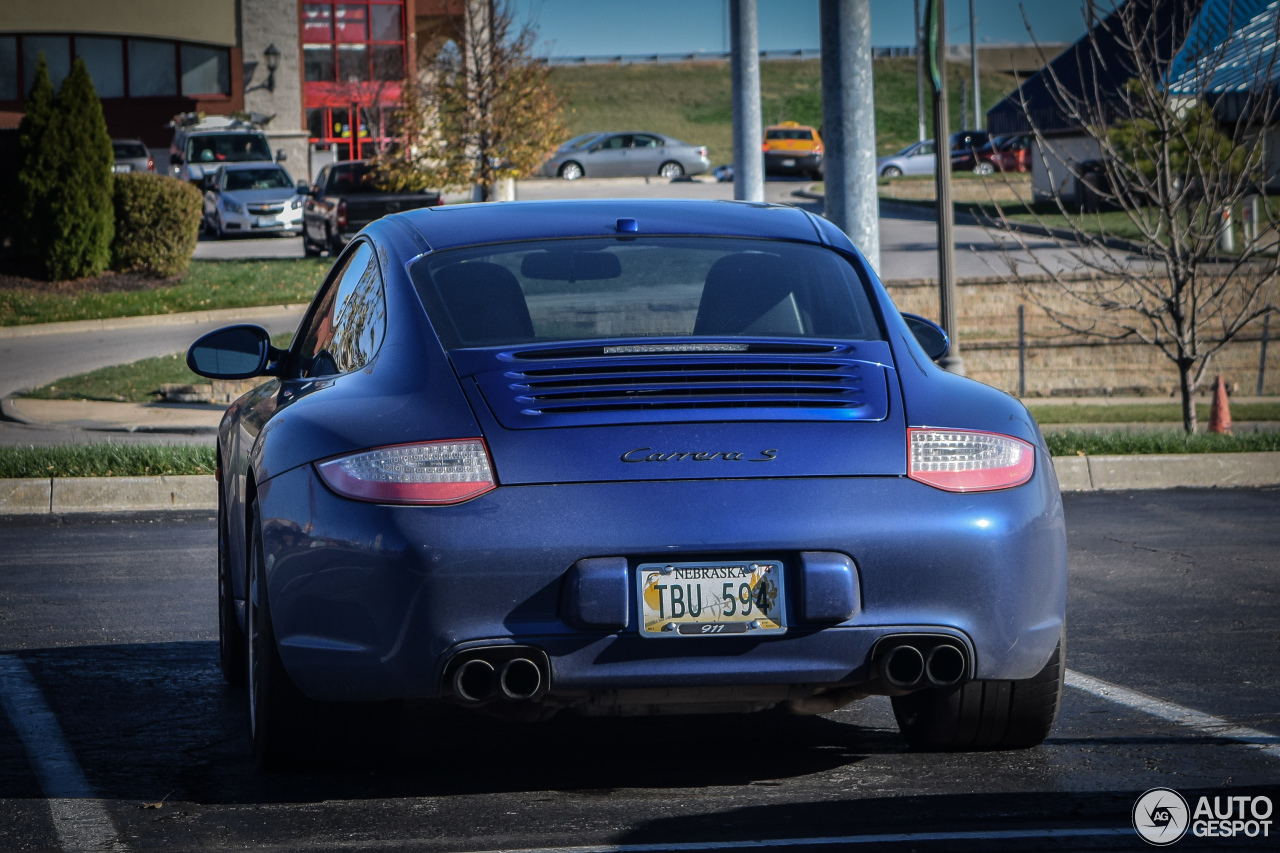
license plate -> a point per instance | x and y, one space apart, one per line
266 221
711 599
122 167
788 162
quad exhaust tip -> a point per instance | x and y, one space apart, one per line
513 673
923 662
474 681
520 679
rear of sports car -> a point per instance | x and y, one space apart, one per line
693 483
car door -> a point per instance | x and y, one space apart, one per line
608 157
921 160
646 154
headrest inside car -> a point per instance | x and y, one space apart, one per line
484 301
748 294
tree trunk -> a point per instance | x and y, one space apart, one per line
1188 397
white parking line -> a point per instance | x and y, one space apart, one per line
79 817
1268 744
838 841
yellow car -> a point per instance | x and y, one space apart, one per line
792 148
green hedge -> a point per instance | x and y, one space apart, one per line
157 224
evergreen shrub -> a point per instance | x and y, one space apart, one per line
157 224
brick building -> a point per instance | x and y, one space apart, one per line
322 77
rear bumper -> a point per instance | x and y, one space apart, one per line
371 602
786 163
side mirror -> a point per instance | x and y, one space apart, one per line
304 188
234 352
175 159
206 183
928 334
281 155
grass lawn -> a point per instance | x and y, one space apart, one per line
1125 444
1083 413
130 383
207 285
693 101
105 460
125 460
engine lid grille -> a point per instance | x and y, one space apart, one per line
527 392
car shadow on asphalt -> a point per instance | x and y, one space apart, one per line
148 719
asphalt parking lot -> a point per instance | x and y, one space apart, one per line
118 732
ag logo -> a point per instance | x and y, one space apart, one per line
1160 816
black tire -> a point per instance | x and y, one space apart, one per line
984 715
232 649
335 244
891 172
671 169
288 730
572 170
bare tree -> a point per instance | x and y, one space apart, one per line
1175 157
483 111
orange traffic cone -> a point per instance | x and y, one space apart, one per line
1220 411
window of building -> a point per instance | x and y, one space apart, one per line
152 71
57 53
104 58
205 70
353 42
8 68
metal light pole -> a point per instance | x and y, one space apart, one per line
748 131
919 71
849 124
936 22
978 123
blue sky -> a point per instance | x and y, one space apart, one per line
591 27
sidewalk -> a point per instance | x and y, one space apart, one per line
189 418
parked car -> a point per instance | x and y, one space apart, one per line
131 156
249 198
791 148
916 159
612 155
627 457
964 147
202 144
346 198
1005 154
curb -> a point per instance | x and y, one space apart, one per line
37 495
141 320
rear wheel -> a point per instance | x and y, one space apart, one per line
984 168
891 172
231 641
335 244
571 171
985 715
671 169
281 719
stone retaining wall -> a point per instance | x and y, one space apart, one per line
1062 365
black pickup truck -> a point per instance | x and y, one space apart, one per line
345 199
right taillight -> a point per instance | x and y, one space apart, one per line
426 473
957 460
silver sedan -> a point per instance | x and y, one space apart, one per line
614 155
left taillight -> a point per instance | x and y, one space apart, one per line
428 473
342 213
956 460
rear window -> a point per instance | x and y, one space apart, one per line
561 290
352 178
129 150
788 134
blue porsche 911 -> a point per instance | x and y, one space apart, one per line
628 457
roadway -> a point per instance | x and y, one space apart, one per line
108 661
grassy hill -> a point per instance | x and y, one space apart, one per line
693 101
